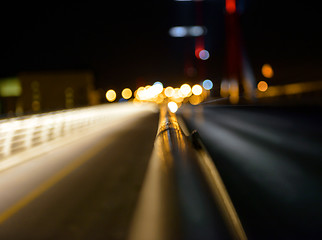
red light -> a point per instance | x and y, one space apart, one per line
197 51
231 6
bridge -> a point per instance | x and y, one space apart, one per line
212 128
139 171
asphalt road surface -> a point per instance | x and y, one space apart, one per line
85 190
270 159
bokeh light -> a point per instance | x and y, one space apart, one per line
157 88
224 88
187 31
158 83
207 84
177 96
126 93
204 54
195 99
169 92
262 86
267 71
178 31
173 107
196 89
111 95
185 90
231 6
196 31
234 91
138 93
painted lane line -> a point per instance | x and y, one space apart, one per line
52 181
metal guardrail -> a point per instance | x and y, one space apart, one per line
24 133
218 189
176 201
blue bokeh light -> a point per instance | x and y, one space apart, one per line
207 84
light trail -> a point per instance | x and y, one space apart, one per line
26 137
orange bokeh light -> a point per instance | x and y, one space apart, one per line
262 86
267 71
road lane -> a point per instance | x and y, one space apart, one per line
270 161
85 190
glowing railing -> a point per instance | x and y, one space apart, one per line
22 133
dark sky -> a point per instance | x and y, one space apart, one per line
126 42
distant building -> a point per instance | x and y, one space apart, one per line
32 92
10 91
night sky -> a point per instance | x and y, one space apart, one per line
126 43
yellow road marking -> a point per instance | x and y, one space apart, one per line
52 181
